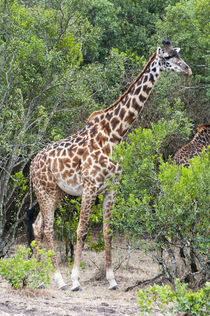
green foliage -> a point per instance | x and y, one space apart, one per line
37 56
66 222
191 18
96 218
61 60
186 24
123 24
106 80
20 271
184 201
181 299
163 201
20 183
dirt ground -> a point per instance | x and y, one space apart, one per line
95 299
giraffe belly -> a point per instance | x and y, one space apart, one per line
74 189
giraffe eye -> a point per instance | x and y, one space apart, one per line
168 57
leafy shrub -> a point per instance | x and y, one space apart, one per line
180 299
164 203
21 271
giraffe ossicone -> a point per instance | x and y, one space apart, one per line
82 163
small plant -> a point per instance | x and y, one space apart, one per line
21 271
180 299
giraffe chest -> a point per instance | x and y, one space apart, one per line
72 188
69 181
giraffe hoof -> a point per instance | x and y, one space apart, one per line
115 287
76 289
64 288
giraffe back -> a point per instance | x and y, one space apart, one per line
193 148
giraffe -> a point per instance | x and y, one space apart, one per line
81 164
193 148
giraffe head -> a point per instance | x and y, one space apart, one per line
203 132
169 59
204 127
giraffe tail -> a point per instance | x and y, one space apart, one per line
29 225
30 215
30 188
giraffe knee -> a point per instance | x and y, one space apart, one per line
38 227
48 233
82 234
38 232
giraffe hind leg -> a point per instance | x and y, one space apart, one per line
38 228
108 203
43 227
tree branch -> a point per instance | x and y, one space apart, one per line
140 282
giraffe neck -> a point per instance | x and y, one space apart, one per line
117 119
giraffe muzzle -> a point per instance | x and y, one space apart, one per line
189 71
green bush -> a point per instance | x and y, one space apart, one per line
21 271
180 299
164 203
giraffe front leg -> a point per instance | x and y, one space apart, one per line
108 203
88 199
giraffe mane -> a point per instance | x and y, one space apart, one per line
126 92
203 126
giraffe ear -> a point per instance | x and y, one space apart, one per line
177 49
